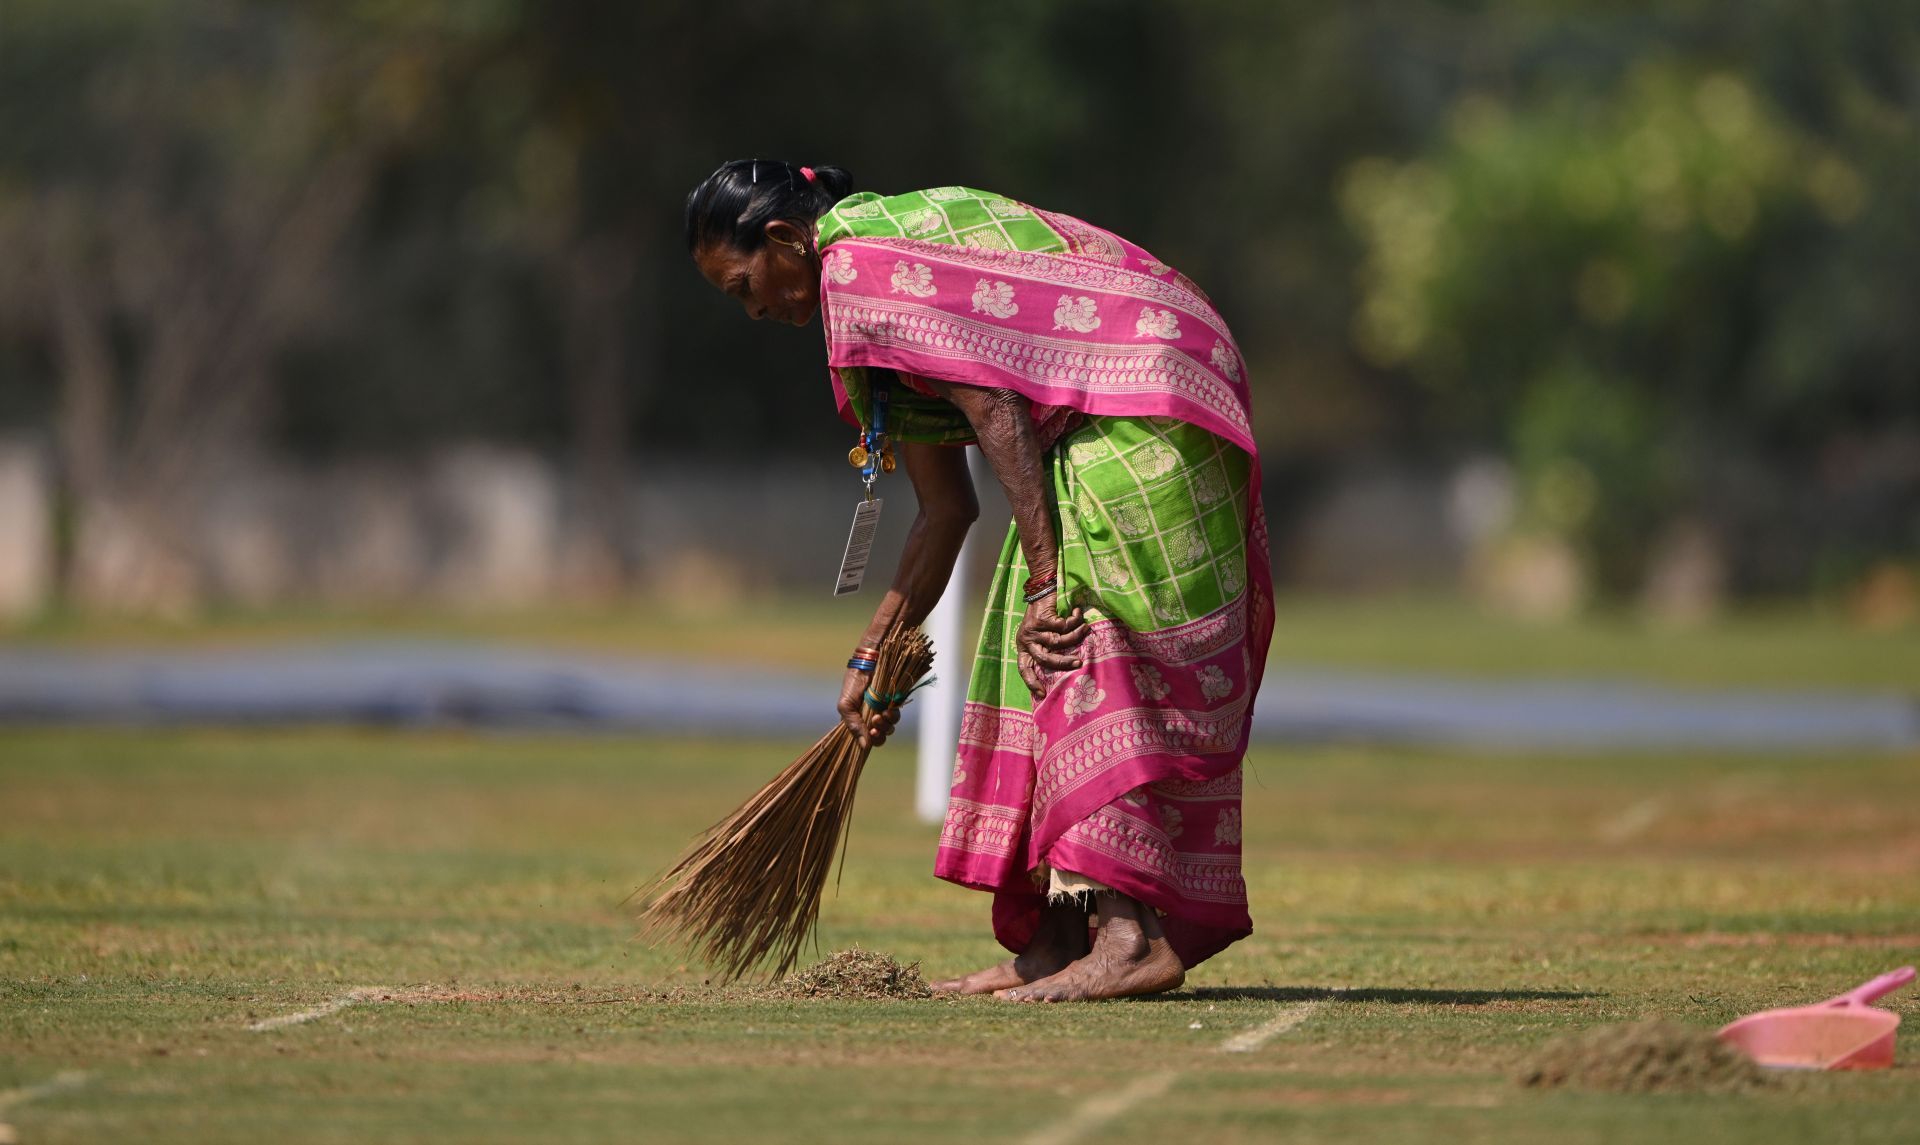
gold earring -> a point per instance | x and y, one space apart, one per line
799 249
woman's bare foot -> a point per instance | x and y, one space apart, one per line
1130 957
1061 938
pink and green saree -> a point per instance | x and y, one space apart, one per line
1128 771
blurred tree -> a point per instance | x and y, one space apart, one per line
178 255
1657 257
1620 287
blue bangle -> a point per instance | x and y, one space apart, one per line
863 665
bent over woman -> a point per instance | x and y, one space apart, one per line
1096 794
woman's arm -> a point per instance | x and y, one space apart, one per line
948 508
1003 424
1004 427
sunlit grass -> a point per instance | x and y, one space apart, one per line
159 891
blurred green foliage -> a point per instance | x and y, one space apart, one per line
1633 286
1658 256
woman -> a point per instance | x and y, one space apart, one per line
1098 778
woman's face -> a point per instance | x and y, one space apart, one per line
773 282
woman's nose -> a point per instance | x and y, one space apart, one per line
756 310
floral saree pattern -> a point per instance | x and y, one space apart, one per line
1128 770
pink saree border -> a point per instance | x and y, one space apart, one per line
1180 645
991 726
1043 268
923 308
1207 877
1141 380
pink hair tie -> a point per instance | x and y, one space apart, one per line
807 174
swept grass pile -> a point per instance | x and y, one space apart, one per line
748 891
1654 1056
856 974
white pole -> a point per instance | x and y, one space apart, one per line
941 702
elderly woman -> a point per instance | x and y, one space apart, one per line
1097 790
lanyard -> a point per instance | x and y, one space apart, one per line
876 435
873 456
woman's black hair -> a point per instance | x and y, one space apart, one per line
735 203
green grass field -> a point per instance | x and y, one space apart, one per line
1785 647
1441 913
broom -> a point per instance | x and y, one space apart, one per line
749 888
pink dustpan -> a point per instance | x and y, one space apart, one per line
1840 1033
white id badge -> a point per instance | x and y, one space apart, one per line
853 566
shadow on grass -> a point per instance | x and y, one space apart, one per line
1392 996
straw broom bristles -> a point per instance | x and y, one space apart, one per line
750 888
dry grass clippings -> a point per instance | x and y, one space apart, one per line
747 893
855 975
1655 1056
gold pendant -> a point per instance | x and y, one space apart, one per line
857 456
886 459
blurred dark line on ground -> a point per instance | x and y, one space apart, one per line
422 684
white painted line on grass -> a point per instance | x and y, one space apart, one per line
1104 1107
334 1007
1101 1108
1247 1041
71 1079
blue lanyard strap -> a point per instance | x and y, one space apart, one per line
875 435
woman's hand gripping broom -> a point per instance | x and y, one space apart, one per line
749 890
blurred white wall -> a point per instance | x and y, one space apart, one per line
26 528
488 526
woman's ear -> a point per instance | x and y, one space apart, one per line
787 234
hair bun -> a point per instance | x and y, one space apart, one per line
836 181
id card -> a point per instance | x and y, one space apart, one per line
853 566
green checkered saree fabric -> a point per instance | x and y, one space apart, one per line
1151 519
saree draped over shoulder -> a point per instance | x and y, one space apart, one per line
1128 771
